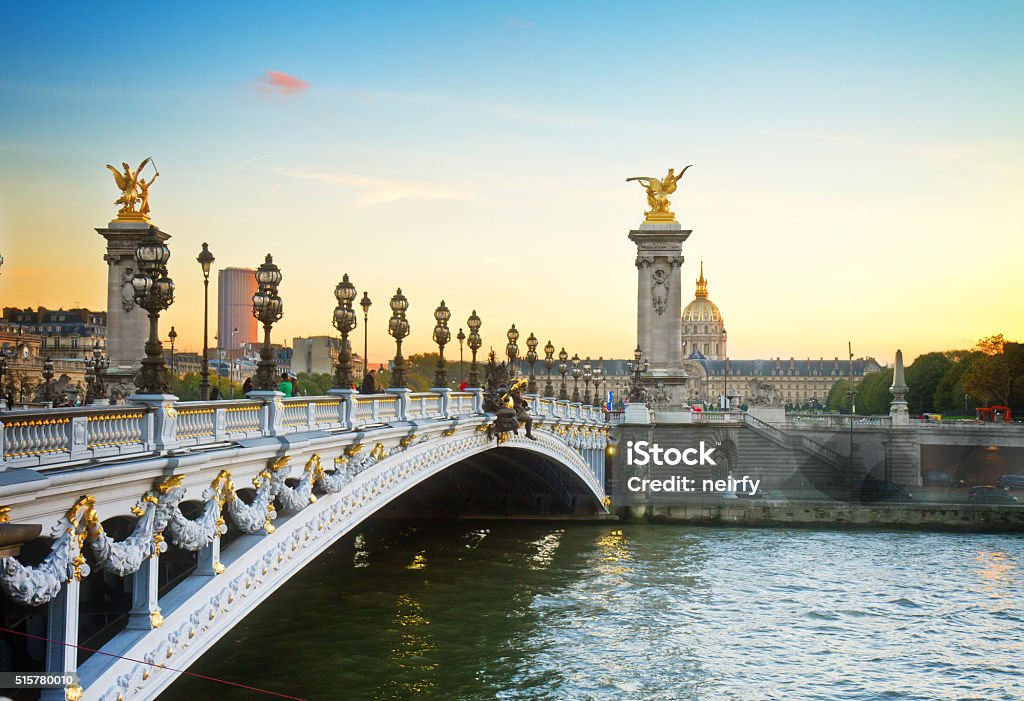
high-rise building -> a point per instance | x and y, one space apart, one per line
235 288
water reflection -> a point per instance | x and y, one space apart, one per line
602 613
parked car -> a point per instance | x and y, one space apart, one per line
1011 482
872 489
940 478
987 494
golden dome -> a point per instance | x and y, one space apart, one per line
701 309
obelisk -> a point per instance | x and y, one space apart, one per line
127 324
659 242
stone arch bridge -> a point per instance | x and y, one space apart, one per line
195 512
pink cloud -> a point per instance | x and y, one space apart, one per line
280 83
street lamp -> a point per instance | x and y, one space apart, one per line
365 304
461 338
154 292
205 259
398 327
474 342
549 362
587 375
268 308
100 364
345 322
597 381
531 358
173 336
563 368
441 337
511 349
853 400
576 372
638 366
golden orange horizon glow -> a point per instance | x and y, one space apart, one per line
837 194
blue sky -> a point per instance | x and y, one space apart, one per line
829 139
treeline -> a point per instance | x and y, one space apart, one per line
950 382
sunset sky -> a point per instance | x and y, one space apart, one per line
858 167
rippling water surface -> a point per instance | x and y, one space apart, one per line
564 611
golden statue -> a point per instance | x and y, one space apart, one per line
658 191
134 199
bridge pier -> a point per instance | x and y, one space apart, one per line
62 634
145 610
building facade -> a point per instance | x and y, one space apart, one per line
236 326
716 379
65 334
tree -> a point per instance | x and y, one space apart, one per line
949 394
873 393
923 377
837 398
995 370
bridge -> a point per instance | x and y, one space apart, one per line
172 521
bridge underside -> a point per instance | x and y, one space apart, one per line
497 483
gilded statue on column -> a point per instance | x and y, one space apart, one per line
134 199
658 190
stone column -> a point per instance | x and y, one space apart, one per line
127 324
659 313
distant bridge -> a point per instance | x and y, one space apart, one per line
123 488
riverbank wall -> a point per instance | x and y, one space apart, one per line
944 517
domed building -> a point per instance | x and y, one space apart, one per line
703 333
714 376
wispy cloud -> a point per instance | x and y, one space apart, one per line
280 83
378 190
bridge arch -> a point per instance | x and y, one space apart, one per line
204 607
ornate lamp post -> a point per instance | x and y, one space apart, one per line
576 372
598 400
344 321
99 365
638 365
531 358
398 327
268 308
461 338
365 304
549 362
511 349
441 337
205 259
154 292
474 343
587 375
563 368
173 336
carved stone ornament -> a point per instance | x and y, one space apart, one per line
127 291
659 290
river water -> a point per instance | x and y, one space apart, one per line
507 610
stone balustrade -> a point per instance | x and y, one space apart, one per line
50 437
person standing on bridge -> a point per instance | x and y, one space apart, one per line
285 385
247 385
369 385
